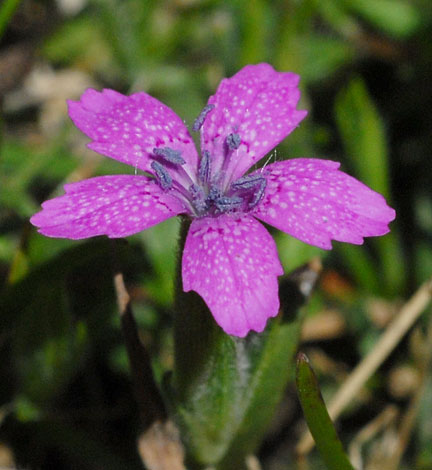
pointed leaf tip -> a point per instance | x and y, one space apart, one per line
317 417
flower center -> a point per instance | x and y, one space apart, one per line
210 194
206 196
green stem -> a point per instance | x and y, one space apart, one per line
224 389
194 329
6 12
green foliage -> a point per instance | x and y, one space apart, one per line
7 9
161 243
79 40
223 413
224 389
271 369
318 419
398 18
21 165
66 391
363 136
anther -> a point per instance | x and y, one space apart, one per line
204 167
233 141
226 204
162 175
214 194
247 182
196 191
198 198
199 121
258 195
169 155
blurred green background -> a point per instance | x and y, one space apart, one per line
365 67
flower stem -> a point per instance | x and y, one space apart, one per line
194 329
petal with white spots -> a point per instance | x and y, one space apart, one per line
117 206
128 128
232 263
258 104
313 201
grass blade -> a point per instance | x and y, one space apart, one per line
318 419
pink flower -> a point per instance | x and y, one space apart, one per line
229 257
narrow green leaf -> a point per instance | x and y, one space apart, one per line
397 18
294 25
294 253
363 136
363 270
6 12
19 266
160 242
335 14
300 48
255 27
322 57
272 360
125 26
318 419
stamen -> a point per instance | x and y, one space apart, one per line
162 175
214 194
196 191
198 198
204 167
233 141
258 195
199 121
225 203
169 155
247 182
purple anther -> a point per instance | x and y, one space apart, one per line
204 167
258 194
162 175
247 182
199 121
169 155
198 198
196 192
214 194
233 141
227 204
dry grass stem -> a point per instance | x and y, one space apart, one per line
406 317
159 444
368 432
408 420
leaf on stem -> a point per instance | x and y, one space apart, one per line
317 417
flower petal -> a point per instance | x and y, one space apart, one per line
116 205
128 128
258 104
231 261
315 202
